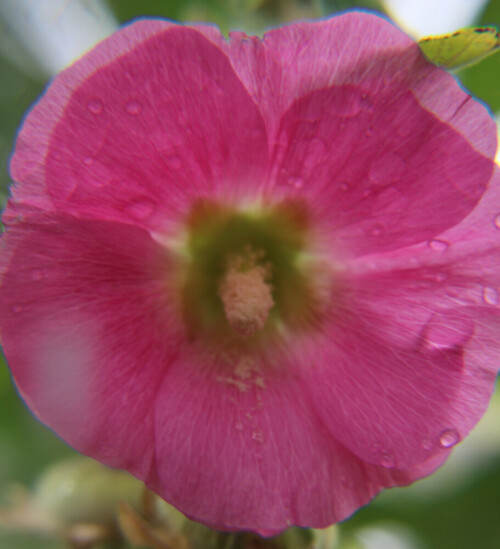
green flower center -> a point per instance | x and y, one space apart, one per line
248 274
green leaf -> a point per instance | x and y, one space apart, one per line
461 48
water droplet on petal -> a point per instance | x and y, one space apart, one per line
94 106
387 460
438 245
496 221
366 103
140 209
258 436
343 186
133 107
377 230
239 426
490 295
17 308
444 332
88 161
448 438
318 146
441 277
427 444
296 182
367 193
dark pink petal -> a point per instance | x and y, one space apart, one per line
252 451
144 132
355 48
369 170
364 126
397 406
412 352
88 324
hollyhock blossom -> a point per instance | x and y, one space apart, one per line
262 275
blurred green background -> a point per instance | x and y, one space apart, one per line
458 507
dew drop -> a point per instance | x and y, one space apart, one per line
36 274
448 438
140 209
296 182
367 193
444 332
387 460
17 308
441 277
366 103
258 436
343 186
94 106
427 444
318 146
88 161
496 221
438 245
133 107
377 230
239 426
490 295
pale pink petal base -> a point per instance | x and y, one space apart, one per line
89 332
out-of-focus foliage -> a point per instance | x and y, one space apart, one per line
483 79
339 5
17 93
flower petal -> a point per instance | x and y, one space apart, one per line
144 131
354 48
88 326
370 164
397 406
251 449
412 349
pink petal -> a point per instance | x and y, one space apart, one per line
398 406
369 167
355 48
87 323
366 129
144 132
252 451
412 353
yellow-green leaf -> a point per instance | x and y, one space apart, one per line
461 48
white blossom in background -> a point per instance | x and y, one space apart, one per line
52 32
388 536
427 17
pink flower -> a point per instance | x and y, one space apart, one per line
260 274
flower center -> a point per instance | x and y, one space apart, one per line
246 293
248 274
